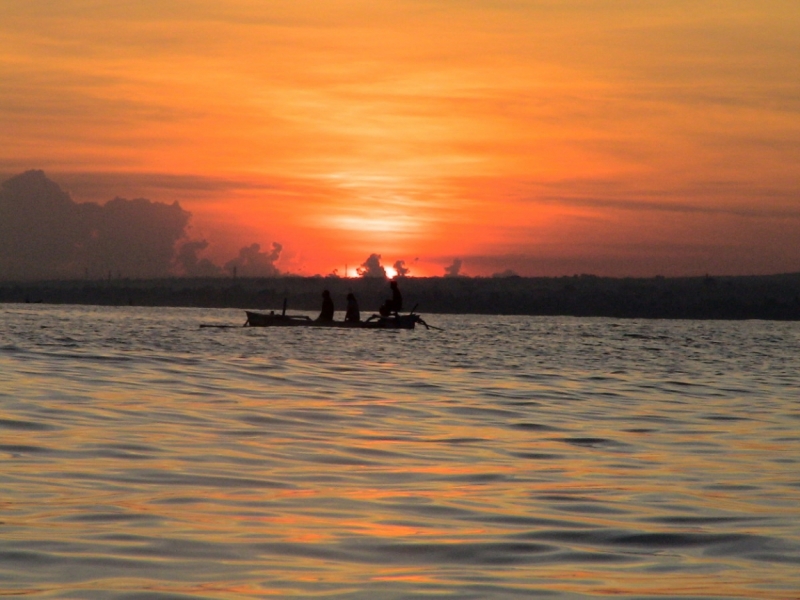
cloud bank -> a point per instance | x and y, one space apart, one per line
44 234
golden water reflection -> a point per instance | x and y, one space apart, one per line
218 477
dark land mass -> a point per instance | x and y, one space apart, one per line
774 297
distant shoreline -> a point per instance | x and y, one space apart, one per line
769 297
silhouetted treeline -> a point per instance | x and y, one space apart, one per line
775 297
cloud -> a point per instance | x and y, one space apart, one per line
191 265
136 238
251 262
641 204
454 269
372 267
99 185
40 228
401 268
45 234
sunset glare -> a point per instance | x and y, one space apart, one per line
540 137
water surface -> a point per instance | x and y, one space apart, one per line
142 456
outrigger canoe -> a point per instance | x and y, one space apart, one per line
256 319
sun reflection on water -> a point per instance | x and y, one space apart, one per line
260 466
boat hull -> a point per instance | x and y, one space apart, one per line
256 319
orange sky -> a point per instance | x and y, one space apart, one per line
550 137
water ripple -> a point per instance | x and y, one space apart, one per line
506 457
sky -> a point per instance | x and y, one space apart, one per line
543 137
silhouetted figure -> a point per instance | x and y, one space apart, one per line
326 314
352 315
393 305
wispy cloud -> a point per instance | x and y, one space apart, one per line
442 127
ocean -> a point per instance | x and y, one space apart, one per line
145 457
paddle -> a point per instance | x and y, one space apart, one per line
419 319
430 326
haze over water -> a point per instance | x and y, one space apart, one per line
505 457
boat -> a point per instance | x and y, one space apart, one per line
257 319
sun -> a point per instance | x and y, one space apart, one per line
391 272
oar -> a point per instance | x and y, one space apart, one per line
419 319
430 326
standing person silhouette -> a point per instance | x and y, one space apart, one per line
326 314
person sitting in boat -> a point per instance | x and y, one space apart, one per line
327 307
393 305
353 315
